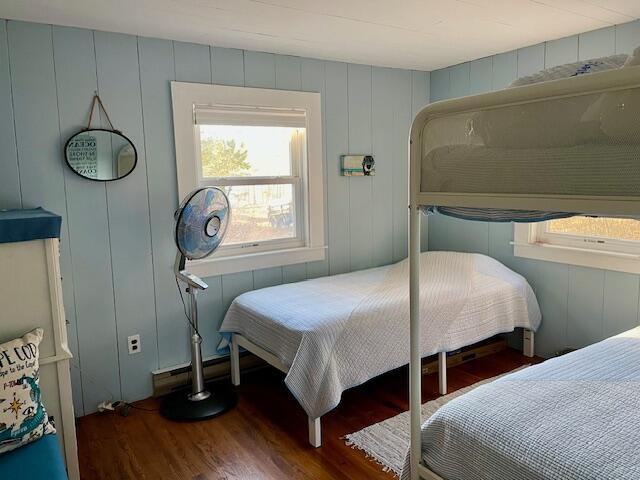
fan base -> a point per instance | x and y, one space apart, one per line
180 406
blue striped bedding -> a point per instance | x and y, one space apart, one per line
572 417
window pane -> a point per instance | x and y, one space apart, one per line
615 228
241 151
260 213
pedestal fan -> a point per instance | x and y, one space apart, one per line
201 222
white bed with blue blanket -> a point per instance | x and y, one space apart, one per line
554 149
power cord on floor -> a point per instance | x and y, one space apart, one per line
119 406
122 408
135 407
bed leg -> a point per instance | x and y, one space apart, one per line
235 360
442 372
315 432
528 343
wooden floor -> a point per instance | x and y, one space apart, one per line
264 437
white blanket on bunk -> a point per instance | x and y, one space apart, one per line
344 337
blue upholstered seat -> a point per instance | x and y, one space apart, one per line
40 460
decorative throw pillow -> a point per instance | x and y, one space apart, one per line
23 418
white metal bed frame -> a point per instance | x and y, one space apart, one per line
606 206
315 426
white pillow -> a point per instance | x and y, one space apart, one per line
23 418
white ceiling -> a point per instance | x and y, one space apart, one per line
418 34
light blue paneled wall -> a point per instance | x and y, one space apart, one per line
117 246
579 305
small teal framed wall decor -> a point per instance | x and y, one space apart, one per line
357 165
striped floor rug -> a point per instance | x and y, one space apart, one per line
387 442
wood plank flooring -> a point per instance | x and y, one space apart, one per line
264 437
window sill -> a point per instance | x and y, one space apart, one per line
620 262
212 266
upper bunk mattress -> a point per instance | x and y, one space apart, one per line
596 169
572 417
569 145
340 331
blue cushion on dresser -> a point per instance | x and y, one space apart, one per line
39 460
28 224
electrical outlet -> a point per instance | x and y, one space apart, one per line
134 344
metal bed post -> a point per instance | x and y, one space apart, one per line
415 367
235 360
442 373
528 343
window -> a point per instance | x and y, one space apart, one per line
264 149
609 243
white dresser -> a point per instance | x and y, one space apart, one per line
31 296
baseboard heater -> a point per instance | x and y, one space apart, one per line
174 378
466 354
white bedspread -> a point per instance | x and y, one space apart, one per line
337 332
575 417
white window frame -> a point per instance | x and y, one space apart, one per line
308 246
532 240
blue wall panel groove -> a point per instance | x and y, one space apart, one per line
157 69
10 178
382 144
402 117
312 79
128 209
41 176
87 205
337 143
227 66
360 212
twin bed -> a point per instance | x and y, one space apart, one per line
330 334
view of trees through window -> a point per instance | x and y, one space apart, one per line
264 211
616 228
223 158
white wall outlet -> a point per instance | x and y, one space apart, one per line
134 344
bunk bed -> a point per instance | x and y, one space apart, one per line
530 153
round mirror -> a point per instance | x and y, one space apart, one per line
100 154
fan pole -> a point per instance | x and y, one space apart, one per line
199 402
198 392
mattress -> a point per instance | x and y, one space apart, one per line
523 142
337 332
476 168
571 417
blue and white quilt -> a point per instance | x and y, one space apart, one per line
572 417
